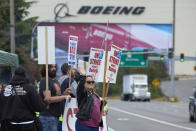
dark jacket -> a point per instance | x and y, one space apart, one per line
19 106
85 102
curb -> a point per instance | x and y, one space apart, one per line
174 99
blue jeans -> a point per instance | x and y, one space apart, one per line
49 123
81 127
59 126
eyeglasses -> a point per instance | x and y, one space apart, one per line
90 82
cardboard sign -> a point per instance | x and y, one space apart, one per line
82 65
69 117
42 44
72 50
113 63
96 56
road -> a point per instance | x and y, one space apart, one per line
183 88
149 116
154 116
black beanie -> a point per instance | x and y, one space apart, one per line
20 71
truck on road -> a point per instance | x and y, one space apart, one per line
135 87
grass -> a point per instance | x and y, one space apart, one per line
164 98
114 97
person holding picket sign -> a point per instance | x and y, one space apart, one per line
49 117
89 105
65 89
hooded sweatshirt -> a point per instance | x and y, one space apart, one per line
19 101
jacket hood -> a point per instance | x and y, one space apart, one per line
19 80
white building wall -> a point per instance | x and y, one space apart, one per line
185 41
156 11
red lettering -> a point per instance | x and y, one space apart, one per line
110 58
93 70
96 55
114 60
72 50
115 53
112 65
75 110
94 66
112 69
73 38
69 112
94 61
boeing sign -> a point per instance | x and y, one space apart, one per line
63 9
107 10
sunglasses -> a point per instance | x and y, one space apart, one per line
90 82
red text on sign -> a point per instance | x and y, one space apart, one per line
112 69
70 113
114 60
93 70
72 50
94 61
96 55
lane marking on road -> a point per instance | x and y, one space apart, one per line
152 119
123 119
110 129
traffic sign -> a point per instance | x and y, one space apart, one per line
155 82
132 58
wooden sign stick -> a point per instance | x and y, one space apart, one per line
103 42
46 50
104 80
106 93
85 66
70 77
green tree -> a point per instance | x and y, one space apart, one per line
23 26
23 30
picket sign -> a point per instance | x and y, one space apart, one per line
46 43
95 59
50 40
113 61
114 57
69 117
72 51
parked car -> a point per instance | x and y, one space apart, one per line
192 107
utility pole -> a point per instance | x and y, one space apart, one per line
12 27
172 95
12 31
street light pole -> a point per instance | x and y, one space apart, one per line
172 95
12 27
12 31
